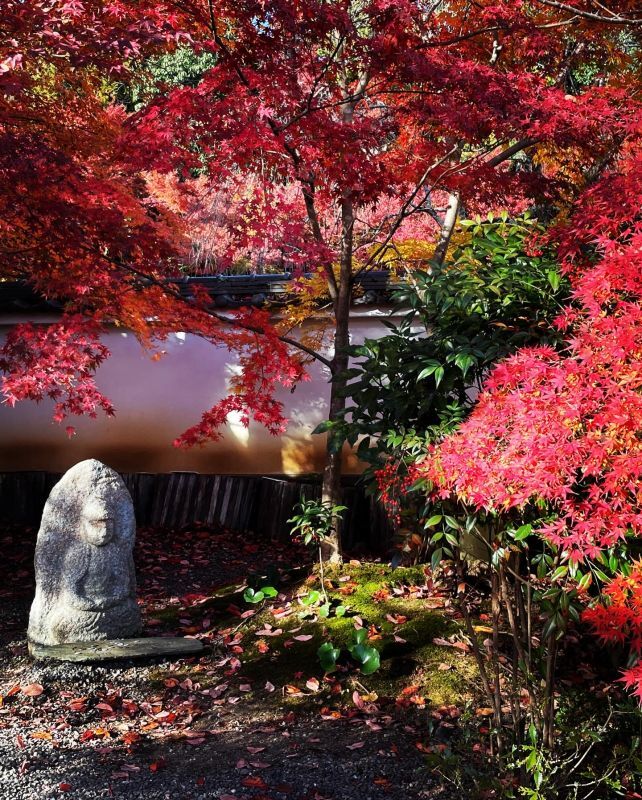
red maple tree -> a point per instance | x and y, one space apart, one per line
564 427
353 104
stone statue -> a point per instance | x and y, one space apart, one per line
85 579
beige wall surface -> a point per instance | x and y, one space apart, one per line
155 401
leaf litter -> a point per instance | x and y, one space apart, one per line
193 722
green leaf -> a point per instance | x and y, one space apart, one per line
251 596
328 655
427 371
452 539
531 761
322 427
554 279
371 662
367 656
532 734
310 598
601 575
560 572
550 627
434 520
522 533
585 581
360 636
464 361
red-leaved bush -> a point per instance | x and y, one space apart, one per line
566 427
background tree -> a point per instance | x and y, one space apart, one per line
81 226
356 104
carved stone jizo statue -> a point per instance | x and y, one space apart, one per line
85 579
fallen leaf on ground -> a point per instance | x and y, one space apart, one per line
32 689
47 735
268 632
254 782
458 645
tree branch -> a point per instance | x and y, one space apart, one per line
403 212
522 144
168 289
612 19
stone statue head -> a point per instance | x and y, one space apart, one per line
90 505
97 523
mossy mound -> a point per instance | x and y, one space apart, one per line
402 629
277 646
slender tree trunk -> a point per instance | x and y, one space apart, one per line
331 488
331 492
447 228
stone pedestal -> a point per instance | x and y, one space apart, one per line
111 649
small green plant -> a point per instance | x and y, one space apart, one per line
364 654
328 656
313 519
311 524
311 598
312 601
257 595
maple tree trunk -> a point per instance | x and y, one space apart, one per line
447 229
331 487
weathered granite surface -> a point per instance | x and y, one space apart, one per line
110 649
85 579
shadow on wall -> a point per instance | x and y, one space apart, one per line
155 402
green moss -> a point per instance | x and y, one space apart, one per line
443 675
413 661
168 614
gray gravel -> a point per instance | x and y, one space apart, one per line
223 744
304 757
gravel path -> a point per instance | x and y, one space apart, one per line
188 729
236 750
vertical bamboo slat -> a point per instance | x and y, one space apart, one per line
243 503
